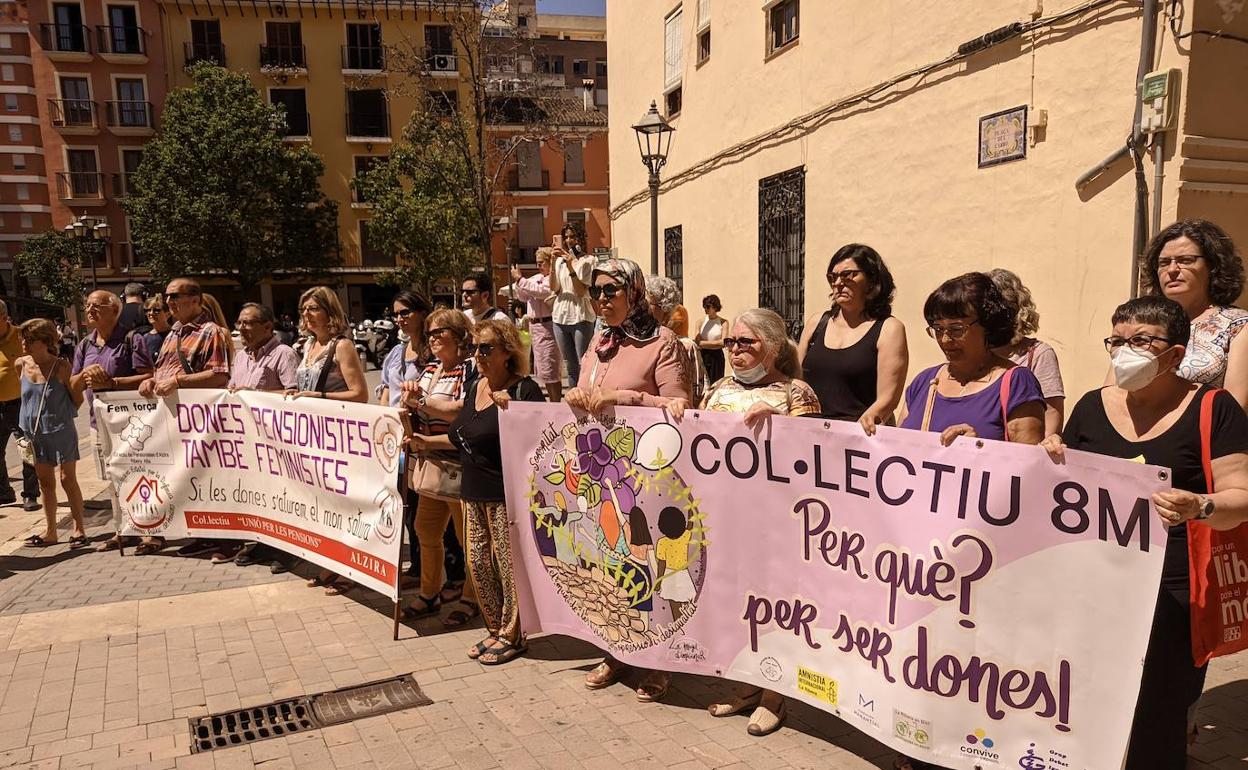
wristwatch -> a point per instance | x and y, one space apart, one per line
1206 507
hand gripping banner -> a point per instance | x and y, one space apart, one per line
972 606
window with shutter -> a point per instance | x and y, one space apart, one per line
672 63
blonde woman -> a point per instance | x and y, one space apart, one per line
1027 351
503 361
330 369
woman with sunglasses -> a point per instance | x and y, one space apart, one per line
764 382
406 363
854 355
1194 263
160 319
503 362
435 399
330 369
1153 413
976 393
632 361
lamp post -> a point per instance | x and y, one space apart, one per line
654 139
96 230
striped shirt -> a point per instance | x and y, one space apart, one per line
449 386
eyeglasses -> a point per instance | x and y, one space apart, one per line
481 349
844 276
149 311
310 308
170 296
604 292
1183 261
248 324
403 313
952 332
438 332
92 306
468 292
739 342
1137 342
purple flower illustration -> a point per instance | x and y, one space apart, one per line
592 454
615 477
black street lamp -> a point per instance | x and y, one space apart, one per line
94 229
654 139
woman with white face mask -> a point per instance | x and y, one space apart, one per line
1152 414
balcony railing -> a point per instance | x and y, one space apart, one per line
209 52
363 58
123 184
65 38
368 124
129 41
440 61
129 114
80 185
298 124
72 113
515 183
284 56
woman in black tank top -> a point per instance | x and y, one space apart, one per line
863 379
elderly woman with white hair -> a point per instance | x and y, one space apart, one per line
764 382
663 296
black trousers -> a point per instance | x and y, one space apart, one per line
10 412
713 365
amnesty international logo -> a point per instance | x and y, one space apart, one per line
146 500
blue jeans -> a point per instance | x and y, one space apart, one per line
573 341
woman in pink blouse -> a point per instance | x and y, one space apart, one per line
632 361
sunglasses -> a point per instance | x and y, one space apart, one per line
470 291
438 332
403 313
172 295
742 342
604 292
481 349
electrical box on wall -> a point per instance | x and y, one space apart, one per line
1159 95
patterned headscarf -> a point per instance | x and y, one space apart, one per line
639 324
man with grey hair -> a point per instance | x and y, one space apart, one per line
107 358
10 410
265 364
132 315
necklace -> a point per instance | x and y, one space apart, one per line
984 374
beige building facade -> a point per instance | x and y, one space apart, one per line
790 142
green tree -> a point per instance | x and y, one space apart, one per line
425 211
53 259
219 193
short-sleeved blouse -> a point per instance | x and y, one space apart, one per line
1210 345
981 410
795 398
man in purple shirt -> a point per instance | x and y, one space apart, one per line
268 365
107 358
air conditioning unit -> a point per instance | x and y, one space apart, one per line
444 63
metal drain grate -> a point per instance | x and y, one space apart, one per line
235 728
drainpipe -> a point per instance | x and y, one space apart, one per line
1148 49
1159 175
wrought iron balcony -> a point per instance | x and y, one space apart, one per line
121 114
368 124
121 41
284 56
73 113
80 185
209 52
65 38
363 58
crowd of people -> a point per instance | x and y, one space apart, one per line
623 338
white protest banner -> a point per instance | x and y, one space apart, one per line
313 477
974 606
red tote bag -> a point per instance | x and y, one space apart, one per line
1219 570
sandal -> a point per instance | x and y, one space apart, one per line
481 647
111 544
320 579
338 586
737 705
429 607
452 591
764 721
500 655
145 549
78 541
37 541
654 686
605 674
462 615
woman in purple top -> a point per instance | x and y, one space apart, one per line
968 317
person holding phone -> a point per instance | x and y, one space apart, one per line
570 310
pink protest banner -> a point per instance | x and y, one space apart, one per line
971 605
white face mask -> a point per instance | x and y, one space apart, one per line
1134 369
751 375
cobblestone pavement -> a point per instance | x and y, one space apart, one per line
104 659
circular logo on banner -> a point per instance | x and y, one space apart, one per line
388 438
389 514
146 500
607 507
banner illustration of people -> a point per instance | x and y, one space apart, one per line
974 605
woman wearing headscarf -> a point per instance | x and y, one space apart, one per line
632 361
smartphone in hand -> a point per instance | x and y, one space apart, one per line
558 242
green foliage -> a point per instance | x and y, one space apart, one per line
425 203
53 259
219 192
